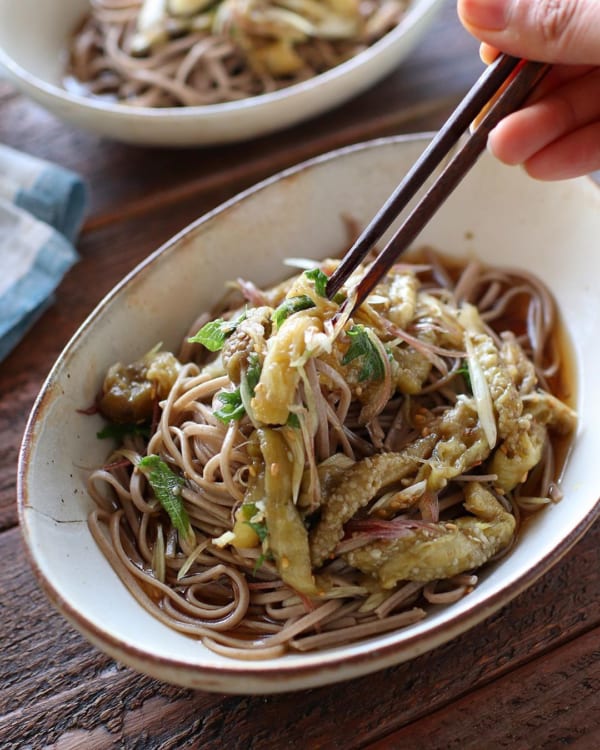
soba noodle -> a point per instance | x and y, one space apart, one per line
310 477
166 53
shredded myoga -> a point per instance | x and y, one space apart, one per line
300 476
167 53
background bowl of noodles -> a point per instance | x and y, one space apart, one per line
497 215
34 56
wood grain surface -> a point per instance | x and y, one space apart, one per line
528 677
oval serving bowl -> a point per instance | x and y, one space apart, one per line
34 56
497 213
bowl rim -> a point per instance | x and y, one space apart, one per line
416 10
286 677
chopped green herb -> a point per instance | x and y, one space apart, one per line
252 373
464 371
119 431
249 510
339 297
260 529
259 561
214 334
233 401
233 408
167 488
320 278
293 421
290 306
362 346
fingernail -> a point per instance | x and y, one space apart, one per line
490 145
486 14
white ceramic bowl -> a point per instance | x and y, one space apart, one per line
34 38
497 213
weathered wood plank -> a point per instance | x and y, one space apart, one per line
552 702
421 117
53 685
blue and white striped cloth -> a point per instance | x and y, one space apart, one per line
41 210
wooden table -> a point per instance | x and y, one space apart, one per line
528 677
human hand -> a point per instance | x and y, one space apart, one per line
556 135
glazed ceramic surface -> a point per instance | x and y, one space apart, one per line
34 37
498 215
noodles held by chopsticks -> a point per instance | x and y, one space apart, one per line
300 478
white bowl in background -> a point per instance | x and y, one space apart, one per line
34 38
498 213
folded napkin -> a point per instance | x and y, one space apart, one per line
41 209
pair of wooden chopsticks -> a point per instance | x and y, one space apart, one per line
500 90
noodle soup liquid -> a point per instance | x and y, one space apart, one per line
236 598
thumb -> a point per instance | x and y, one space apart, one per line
555 31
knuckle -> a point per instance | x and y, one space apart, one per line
555 19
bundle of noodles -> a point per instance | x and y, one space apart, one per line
165 53
321 476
